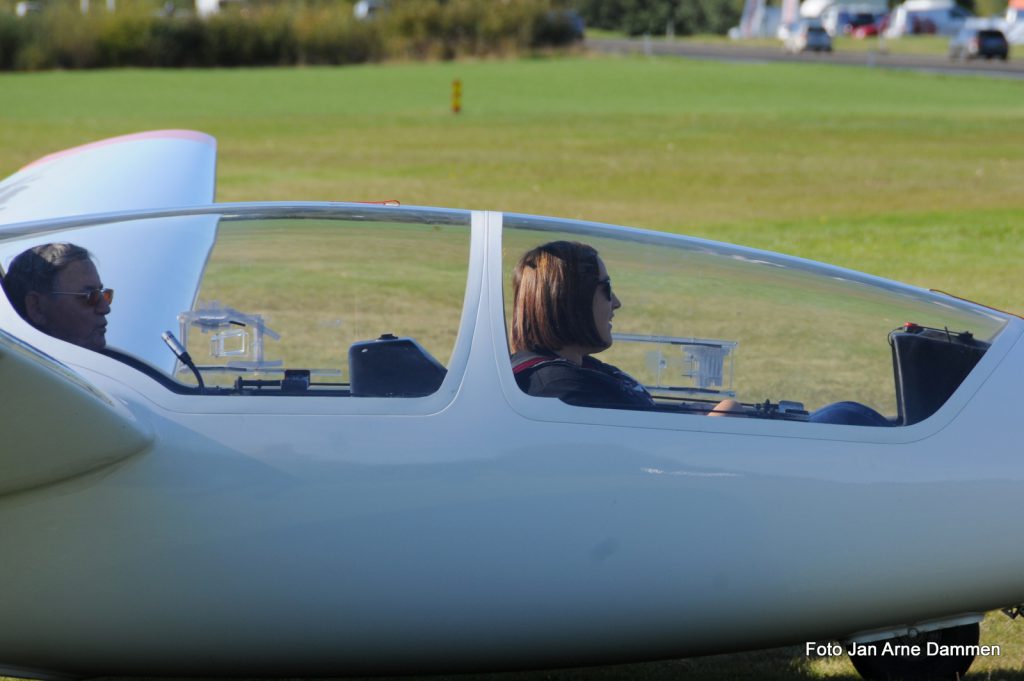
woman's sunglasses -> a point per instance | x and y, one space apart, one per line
92 297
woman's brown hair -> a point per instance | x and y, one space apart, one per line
553 298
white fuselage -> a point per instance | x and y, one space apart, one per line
481 528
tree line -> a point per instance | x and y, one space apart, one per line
660 17
60 35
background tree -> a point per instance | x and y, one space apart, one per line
679 17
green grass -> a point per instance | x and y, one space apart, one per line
891 172
907 175
266 267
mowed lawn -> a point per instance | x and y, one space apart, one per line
906 175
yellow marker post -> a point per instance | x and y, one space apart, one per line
456 96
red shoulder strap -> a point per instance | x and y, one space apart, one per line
529 363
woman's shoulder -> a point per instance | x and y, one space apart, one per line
526 361
530 361
595 383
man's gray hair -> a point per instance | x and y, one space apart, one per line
36 269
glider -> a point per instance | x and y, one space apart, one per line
304 451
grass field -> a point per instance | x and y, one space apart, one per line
906 175
910 176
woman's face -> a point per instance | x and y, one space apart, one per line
605 305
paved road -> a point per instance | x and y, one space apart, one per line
747 53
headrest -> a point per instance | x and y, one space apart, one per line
393 367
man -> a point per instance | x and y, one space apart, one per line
56 288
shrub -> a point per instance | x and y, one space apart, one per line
263 39
268 34
70 38
12 40
326 36
177 42
655 16
553 29
124 40
431 29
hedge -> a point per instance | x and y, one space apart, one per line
263 35
685 17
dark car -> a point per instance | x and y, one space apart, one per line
974 43
807 36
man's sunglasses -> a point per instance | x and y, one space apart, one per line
605 286
92 297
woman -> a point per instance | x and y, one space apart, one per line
562 316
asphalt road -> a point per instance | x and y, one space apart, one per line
739 52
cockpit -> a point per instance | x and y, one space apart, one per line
351 302
702 321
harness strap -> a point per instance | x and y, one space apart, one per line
534 361
529 363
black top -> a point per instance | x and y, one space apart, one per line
592 384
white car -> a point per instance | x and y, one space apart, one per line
344 477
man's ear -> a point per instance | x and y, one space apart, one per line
34 308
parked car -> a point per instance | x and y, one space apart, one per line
977 43
878 24
807 36
861 19
866 31
844 20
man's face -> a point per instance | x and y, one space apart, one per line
71 318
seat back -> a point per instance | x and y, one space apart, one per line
929 365
393 367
